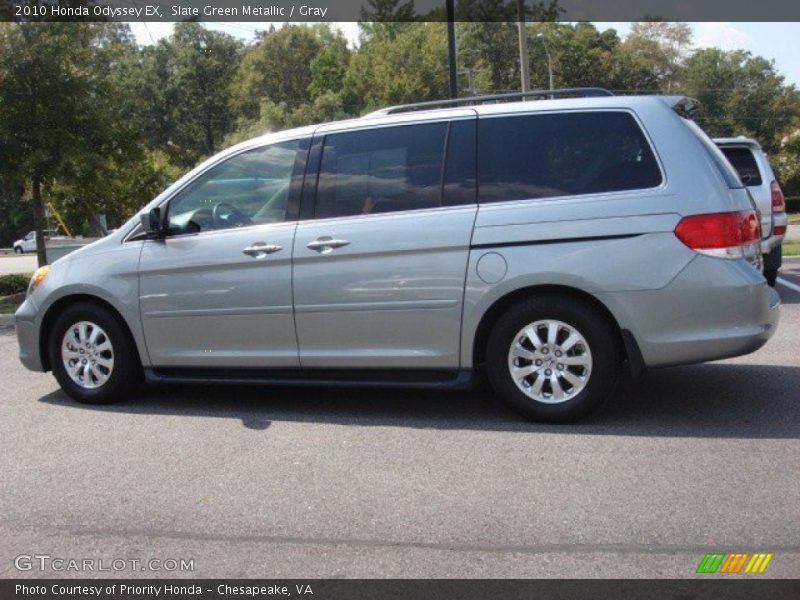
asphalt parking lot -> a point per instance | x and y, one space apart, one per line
282 482
15 263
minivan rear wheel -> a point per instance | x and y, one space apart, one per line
553 358
92 356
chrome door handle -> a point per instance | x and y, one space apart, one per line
261 250
326 244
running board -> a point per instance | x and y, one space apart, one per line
375 378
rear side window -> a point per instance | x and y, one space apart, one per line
381 170
745 164
564 154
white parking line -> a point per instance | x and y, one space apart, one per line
789 284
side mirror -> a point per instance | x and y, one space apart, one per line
153 220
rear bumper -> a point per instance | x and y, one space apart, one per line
27 328
713 309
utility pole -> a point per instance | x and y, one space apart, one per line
549 58
451 48
523 46
470 73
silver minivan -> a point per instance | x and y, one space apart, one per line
550 243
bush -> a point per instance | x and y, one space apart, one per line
16 283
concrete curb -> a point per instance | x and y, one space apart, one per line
6 320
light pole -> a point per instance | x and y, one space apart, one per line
451 48
523 46
549 58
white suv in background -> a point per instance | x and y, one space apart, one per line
750 161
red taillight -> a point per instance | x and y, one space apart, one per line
778 201
779 230
721 234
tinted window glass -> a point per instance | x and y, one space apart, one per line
247 189
381 170
539 156
745 164
459 170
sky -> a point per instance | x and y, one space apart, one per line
775 41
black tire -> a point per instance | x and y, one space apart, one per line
771 276
126 374
17 250
599 334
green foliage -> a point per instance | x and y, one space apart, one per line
329 66
277 67
125 189
388 10
16 283
95 124
492 51
786 164
740 95
275 117
179 90
17 216
662 46
397 65
56 122
41 62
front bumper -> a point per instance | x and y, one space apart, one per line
27 326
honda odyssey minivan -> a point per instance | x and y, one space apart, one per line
551 243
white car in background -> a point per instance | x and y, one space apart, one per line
26 244
750 161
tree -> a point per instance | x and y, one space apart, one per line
741 94
664 46
393 67
786 163
56 120
582 55
329 66
491 50
122 190
203 65
388 11
179 91
17 216
277 67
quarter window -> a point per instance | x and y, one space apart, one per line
381 170
250 188
563 154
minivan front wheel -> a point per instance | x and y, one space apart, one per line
92 356
553 358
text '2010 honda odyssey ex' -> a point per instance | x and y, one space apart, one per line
550 242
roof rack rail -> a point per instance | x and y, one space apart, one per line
581 92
